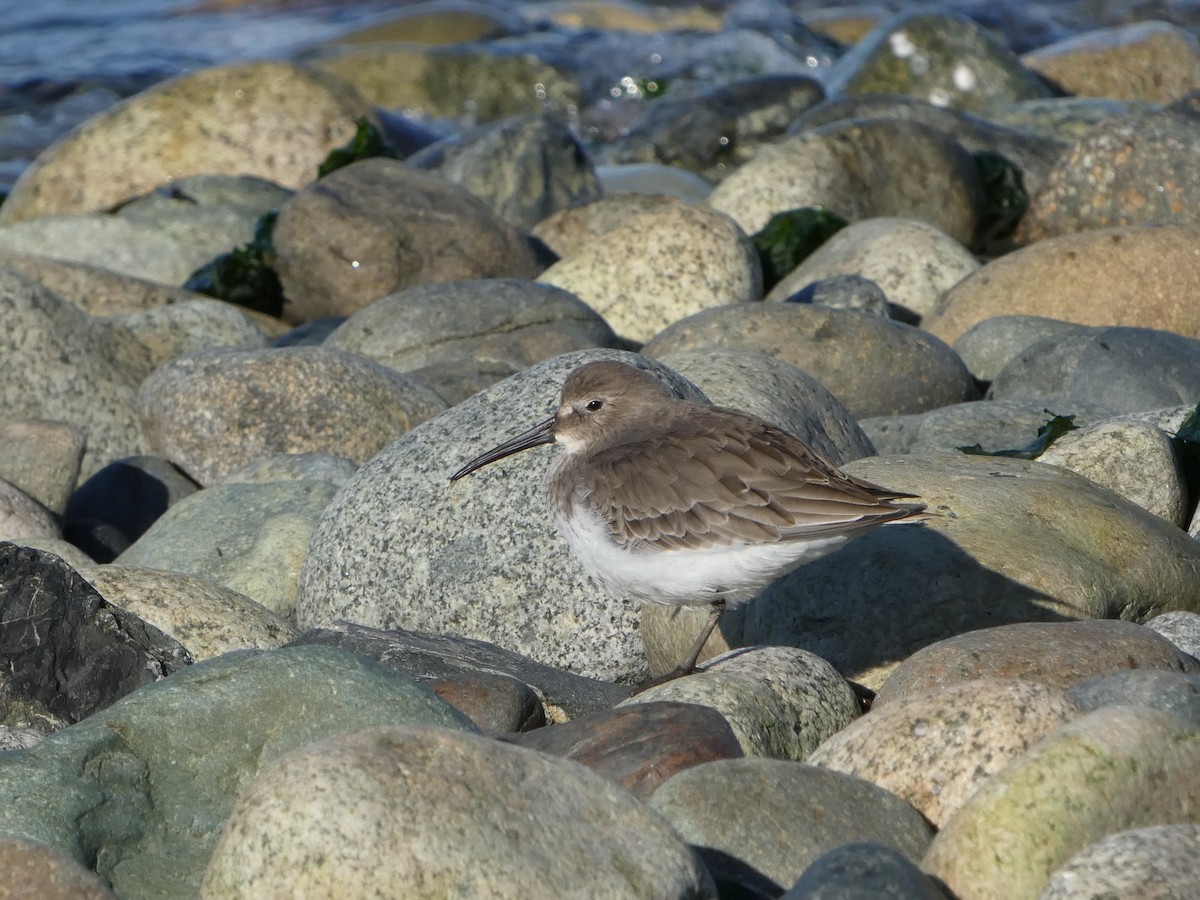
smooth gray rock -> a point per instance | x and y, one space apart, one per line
874 366
1160 861
765 818
1175 692
141 790
780 393
781 702
389 808
56 364
211 413
153 337
401 546
463 336
1121 369
988 346
251 538
852 292
525 168
376 227
994 425
128 248
912 261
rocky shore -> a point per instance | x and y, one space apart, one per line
256 644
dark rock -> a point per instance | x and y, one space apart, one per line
942 56
865 871
719 129
525 168
1174 692
640 746
1034 154
432 656
64 646
310 334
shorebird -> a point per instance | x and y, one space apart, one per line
677 502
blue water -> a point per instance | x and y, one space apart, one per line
61 41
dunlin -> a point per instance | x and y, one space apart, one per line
681 503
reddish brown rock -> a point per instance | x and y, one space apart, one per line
640 746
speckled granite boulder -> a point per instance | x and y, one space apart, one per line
781 702
660 266
860 169
139 791
269 119
375 227
211 413
1063 277
1118 768
935 748
874 366
913 262
387 809
250 538
463 336
401 546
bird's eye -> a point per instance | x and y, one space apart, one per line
594 405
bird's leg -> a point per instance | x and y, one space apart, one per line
688 665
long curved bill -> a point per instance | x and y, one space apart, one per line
542 433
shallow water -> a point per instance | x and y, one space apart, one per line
62 61
67 40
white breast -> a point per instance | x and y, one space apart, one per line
684 577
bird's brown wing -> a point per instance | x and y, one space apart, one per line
737 481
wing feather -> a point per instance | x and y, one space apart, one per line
699 482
